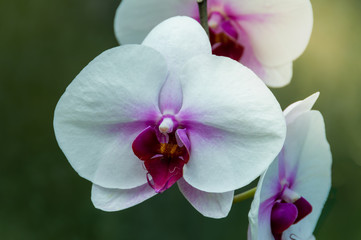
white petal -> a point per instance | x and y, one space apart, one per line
278 29
110 200
178 39
313 167
214 205
103 110
135 18
277 76
267 188
294 110
237 127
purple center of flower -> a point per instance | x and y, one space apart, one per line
289 209
223 36
165 149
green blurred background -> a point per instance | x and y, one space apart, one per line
44 44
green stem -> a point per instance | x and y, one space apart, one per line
245 195
203 14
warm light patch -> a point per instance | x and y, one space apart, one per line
170 150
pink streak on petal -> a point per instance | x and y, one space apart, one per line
282 166
183 140
128 128
192 121
146 144
264 216
236 14
286 174
164 171
304 208
249 58
282 217
141 121
228 28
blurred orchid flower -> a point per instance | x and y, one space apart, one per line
291 193
140 118
264 35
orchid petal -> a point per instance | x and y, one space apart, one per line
260 213
296 109
276 76
279 30
214 205
101 113
236 125
313 172
135 18
110 200
177 49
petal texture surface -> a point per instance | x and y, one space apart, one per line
214 205
104 108
110 200
279 29
178 39
312 170
236 126
276 76
259 216
296 109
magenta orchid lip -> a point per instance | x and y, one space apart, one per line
164 155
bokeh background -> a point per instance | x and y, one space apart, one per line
43 46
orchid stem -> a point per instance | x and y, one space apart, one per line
203 14
245 195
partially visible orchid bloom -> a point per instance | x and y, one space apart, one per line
264 35
140 118
291 193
